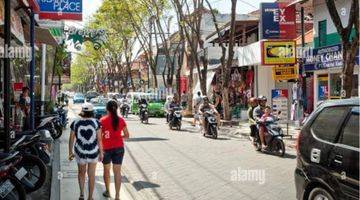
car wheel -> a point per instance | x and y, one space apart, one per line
320 194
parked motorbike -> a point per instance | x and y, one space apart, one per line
273 137
62 112
53 125
124 108
143 113
210 124
10 187
175 118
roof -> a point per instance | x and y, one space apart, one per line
341 102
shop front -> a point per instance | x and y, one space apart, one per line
324 66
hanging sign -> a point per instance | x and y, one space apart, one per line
60 9
279 100
16 26
278 52
278 21
79 36
281 73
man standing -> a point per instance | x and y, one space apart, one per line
252 105
184 98
25 107
196 104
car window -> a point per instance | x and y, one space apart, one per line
350 134
326 125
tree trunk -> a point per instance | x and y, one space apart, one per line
349 56
225 100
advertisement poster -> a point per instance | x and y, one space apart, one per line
60 9
17 90
281 73
278 21
278 52
279 100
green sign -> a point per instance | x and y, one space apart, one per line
79 36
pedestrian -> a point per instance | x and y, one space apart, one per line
197 102
184 99
218 102
252 122
24 103
114 130
85 133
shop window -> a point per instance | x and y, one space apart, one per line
323 87
335 86
322 33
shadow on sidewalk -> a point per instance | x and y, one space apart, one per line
145 139
139 185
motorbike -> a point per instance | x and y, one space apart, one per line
210 124
273 137
62 113
53 125
10 187
175 118
144 113
124 108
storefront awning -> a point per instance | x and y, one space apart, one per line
209 78
249 55
42 35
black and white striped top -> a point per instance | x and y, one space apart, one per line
86 145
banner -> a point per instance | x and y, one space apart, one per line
278 21
60 9
278 52
279 100
281 73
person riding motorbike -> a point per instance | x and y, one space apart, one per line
253 104
167 107
142 101
206 106
257 114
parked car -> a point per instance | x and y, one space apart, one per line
91 95
99 106
328 152
79 98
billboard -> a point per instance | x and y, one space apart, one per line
60 9
278 52
278 21
285 72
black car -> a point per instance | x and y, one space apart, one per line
91 95
328 152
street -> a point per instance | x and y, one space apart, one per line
164 164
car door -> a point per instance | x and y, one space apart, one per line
344 159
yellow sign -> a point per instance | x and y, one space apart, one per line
278 52
284 73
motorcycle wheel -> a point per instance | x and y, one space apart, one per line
279 148
34 178
179 126
213 131
18 193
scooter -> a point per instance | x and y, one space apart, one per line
175 118
273 137
10 187
124 108
144 114
210 124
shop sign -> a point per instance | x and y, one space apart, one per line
278 21
60 9
325 57
79 36
285 72
279 100
17 90
278 52
16 26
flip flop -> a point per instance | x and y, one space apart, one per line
81 197
106 194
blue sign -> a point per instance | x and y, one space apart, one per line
60 9
325 57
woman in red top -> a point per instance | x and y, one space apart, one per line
113 129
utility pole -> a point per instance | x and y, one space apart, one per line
7 75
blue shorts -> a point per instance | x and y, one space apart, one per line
114 156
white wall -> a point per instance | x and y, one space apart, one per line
321 13
264 81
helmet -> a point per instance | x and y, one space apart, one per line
262 98
169 98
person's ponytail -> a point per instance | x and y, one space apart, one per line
112 107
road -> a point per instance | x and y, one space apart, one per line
163 164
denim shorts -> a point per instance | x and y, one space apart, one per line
114 156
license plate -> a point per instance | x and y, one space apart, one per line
47 134
6 188
21 173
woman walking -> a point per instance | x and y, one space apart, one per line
113 128
85 133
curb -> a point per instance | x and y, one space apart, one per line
55 182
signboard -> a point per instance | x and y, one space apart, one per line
278 21
60 9
18 90
278 52
279 100
284 72
79 36
16 26
325 57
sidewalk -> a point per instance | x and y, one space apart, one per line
240 129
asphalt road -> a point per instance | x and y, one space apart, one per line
167 164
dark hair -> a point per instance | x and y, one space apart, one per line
87 114
267 107
199 93
112 107
25 89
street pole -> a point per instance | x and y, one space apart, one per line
150 50
43 73
7 75
32 69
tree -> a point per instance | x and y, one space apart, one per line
350 43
